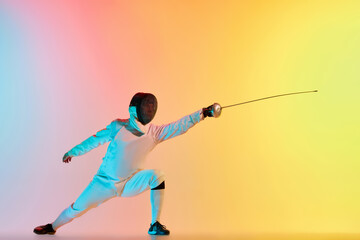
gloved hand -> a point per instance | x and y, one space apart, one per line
67 158
212 111
208 112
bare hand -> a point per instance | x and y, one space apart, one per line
67 158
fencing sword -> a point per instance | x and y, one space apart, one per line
216 108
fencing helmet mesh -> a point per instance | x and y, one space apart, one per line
146 106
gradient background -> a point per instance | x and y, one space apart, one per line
68 68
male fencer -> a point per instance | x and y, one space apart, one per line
121 173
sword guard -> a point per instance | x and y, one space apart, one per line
216 110
212 110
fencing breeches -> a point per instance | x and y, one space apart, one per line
101 189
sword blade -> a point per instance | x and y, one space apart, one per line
280 95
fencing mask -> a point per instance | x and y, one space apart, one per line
146 106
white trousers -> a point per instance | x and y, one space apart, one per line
101 189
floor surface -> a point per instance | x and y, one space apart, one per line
188 237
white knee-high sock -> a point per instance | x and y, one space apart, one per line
156 199
66 216
61 220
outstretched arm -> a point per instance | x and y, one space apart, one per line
171 130
92 142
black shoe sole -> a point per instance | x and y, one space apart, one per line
41 233
161 234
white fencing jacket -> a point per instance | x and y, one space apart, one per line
130 142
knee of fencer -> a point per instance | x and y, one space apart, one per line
73 212
157 178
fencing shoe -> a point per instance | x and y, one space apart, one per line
158 229
45 229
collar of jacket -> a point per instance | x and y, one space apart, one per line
134 123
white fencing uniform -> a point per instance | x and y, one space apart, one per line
121 172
